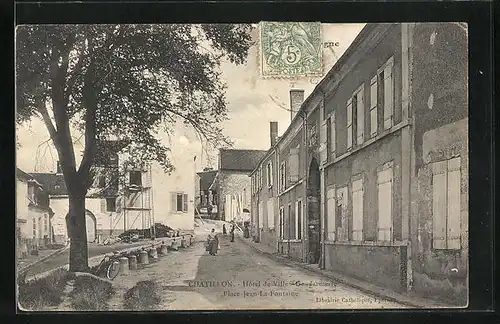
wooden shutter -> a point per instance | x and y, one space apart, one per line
293 165
270 213
330 210
333 144
296 220
360 111
357 206
454 208
281 222
323 153
439 204
349 123
388 95
184 202
173 201
384 185
373 106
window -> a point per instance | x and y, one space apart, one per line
330 210
446 207
384 186
290 233
341 214
101 181
179 202
312 135
34 227
360 115
298 220
333 145
386 77
282 219
110 204
349 124
357 210
373 107
135 178
269 174
323 138
270 214
293 165
282 176
46 223
261 215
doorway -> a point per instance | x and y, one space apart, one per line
313 213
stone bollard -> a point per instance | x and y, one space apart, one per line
153 254
143 257
124 266
132 262
183 242
164 249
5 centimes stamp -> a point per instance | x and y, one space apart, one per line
290 49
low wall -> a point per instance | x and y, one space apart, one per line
292 249
382 265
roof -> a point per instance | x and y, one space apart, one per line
206 179
240 160
23 175
53 183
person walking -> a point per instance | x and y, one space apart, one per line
224 229
232 233
212 242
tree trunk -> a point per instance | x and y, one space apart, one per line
78 254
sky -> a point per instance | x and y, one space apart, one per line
253 102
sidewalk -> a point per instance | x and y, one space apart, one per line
363 286
30 260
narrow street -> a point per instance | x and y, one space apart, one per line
240 278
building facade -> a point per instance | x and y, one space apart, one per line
33 214
381 190
233 184
206 200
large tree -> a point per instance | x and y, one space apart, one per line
128 81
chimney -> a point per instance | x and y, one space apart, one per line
273 132
296 100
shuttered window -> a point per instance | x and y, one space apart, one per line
270 214
298 226
282 176
446 204
323 153
269 174
333 144
384 185
388 94
357 210
349 123
179 202
293 165
373 107
282 219
330 211
261 215
360 116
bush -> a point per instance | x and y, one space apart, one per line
47 291
91 294
144 295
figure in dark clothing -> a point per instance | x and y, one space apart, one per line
232 233
224 229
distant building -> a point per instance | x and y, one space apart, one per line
33 214
232 182
206 196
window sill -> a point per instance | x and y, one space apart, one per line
367 243
369 142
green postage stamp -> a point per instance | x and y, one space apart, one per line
290 49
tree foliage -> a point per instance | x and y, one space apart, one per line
126 82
